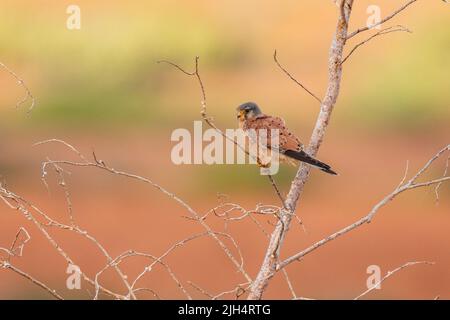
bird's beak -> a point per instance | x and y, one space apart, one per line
241 114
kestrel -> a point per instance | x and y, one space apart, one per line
250 117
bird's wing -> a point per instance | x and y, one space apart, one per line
289 145
288 141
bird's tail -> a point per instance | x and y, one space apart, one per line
304 157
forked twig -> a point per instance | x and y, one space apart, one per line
398 28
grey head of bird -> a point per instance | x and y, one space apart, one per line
248 110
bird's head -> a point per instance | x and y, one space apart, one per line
248 110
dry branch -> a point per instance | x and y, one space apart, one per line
389 17
16 250
102 166
404 186
28 209
391 273
398 28
9 266
269 265
275 58
209 120
21 82
226 211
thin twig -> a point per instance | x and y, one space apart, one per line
239 290
203 111
269 265
409 185
391 273
194 214
293 78
23 242
398 28
21 82
389 17
131 253
16 202
9 266
201 290
277 190
436 190
68 145
148 290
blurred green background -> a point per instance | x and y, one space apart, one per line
105 74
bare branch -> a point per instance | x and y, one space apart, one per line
277 190
177 245
101 165
429 163
16 250
303 298
436 190
238 291
389 17
405 175
227 212
148 290
178 67
270 262
68 145
209 120
398 28
201 290
62 183
132 253
25 208
391 273
203 111
9 266
411 184
293 78
211 123
21 82
18 243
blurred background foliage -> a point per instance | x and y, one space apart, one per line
106 73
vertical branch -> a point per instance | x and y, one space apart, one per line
268 268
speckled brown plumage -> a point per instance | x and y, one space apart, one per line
288 141
251 118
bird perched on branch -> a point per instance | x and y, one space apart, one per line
289 147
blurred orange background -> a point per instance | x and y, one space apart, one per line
100 88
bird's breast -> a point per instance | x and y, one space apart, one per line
242 124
